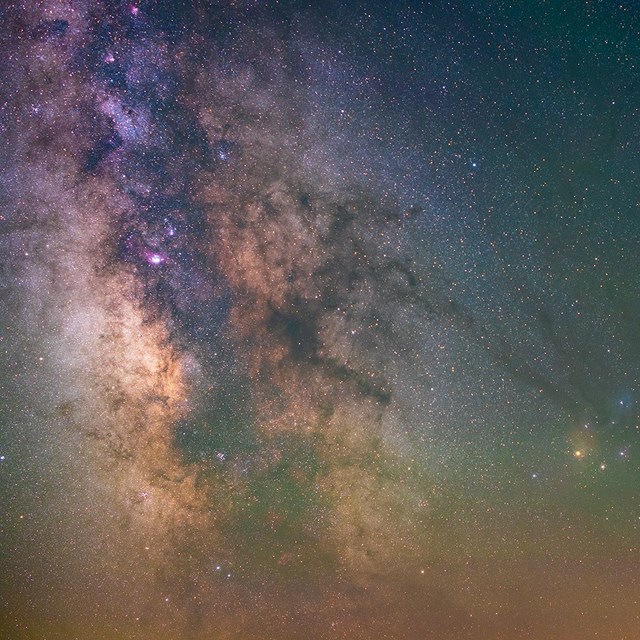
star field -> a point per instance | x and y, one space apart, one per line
319 320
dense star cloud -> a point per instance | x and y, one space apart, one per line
319 322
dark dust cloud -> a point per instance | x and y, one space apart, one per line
319 320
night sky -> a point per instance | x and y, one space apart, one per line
319 320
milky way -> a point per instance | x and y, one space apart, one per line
319 322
